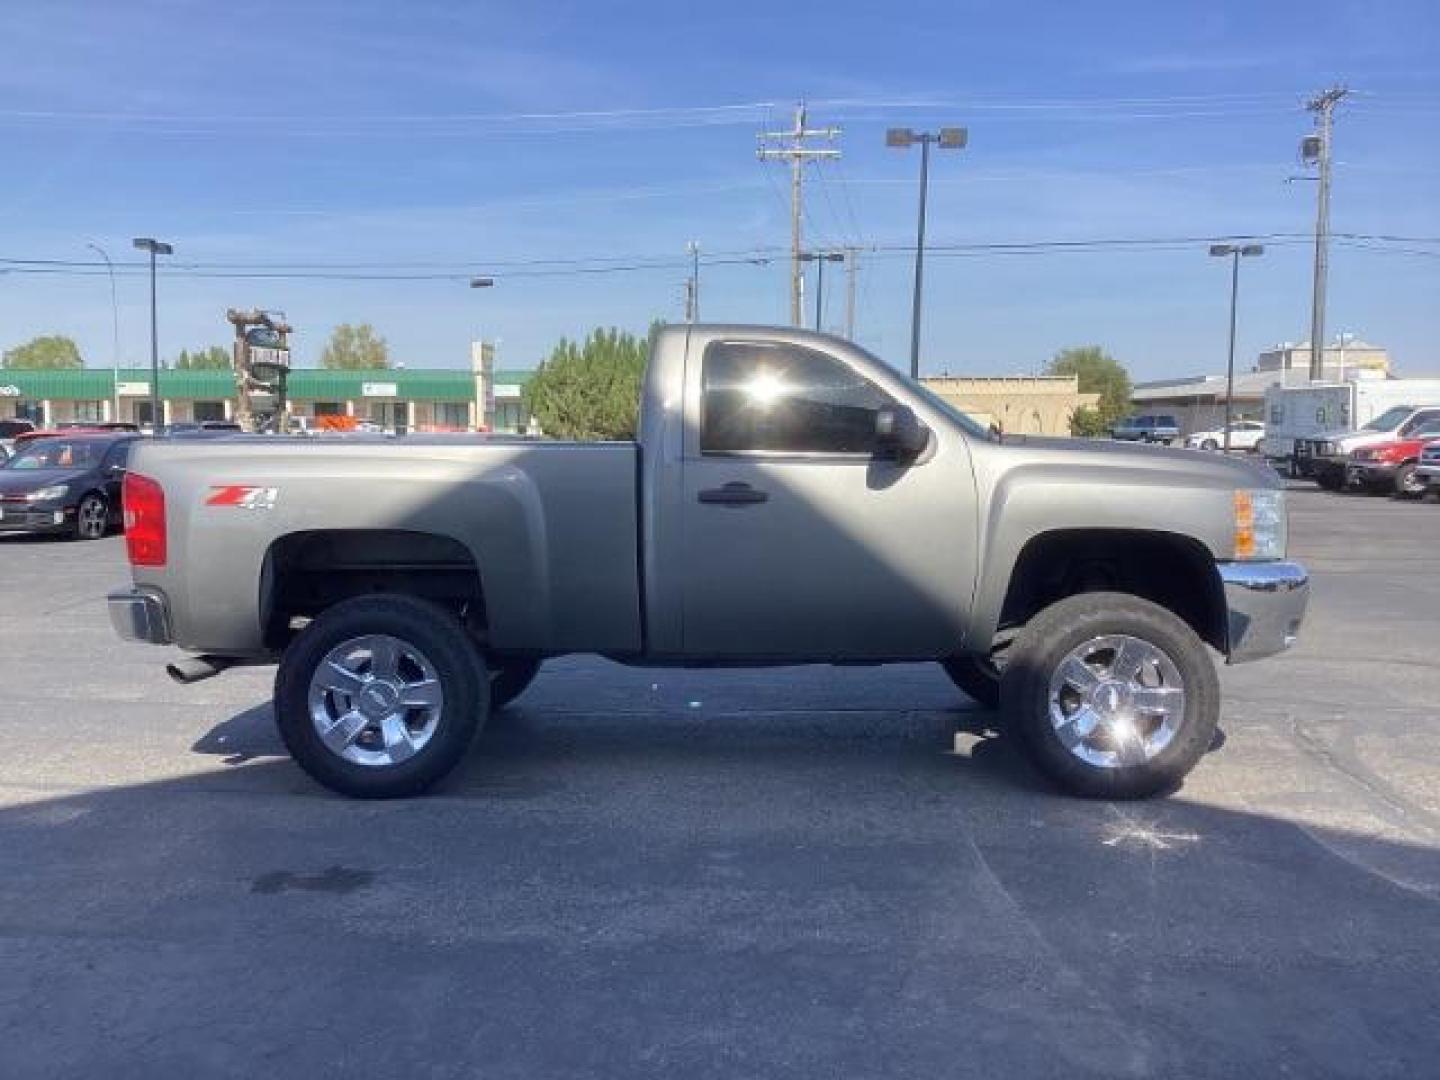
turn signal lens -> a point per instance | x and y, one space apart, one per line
144 502
1260 524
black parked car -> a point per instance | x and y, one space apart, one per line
66 484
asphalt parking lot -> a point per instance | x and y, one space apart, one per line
807 872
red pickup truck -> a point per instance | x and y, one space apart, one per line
1390 466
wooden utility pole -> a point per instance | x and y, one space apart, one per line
796 153
1316 150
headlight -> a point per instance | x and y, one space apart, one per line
54 491
1260 524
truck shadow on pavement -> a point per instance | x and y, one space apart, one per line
520 739
780 894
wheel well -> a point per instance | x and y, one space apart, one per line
306 572
1176 572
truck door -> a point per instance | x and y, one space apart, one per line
798 541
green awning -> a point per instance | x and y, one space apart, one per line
96 384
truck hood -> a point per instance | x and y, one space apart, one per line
1353 440
1184 466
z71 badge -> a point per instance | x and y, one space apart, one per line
244 497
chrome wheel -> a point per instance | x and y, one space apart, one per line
91 518
1116 701
375 700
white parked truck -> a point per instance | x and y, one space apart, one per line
1310 430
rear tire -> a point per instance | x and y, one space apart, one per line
1121 736
380 747
977 677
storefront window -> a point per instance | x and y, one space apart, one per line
209 410
328 408
452 414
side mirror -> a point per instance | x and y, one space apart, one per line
900 435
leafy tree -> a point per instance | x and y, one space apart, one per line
355 347
590 390
47 351
1098 373
215 358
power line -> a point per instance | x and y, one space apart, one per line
600 265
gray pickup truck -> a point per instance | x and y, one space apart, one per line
789 499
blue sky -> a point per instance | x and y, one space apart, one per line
445 137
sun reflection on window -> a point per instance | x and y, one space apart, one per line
764 389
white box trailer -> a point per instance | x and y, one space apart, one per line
1314 411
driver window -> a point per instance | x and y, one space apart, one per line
768 397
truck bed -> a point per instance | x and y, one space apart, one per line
550 526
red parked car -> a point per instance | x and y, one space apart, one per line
1390 466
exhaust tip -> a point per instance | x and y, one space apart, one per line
195 668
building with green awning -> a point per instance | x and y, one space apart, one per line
416 400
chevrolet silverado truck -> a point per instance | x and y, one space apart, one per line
789 498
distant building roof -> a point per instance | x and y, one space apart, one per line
1249 384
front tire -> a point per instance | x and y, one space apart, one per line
92 517
1112 696
1406 485
380 696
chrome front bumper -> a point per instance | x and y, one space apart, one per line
1265 603
140 615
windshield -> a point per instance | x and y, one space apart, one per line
968 423
54 454
965 420
1390 419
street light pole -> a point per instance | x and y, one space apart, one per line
114 333
154 247
903 139
1233 252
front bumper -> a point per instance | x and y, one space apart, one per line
35 518
1370 472
140 615
1265 603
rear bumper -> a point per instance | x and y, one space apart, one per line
140 615
1265 604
